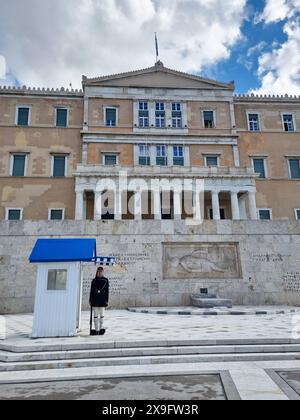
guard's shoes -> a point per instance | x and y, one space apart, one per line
102 332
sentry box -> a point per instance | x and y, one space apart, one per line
58 297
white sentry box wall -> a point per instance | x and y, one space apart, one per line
57 312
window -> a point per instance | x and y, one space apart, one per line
161 156
288 122
294 168
57 280
297 212
176 115
144 155
209 119
265 214
56 214
14 214
143 115
59 166
160 115
61 117
110 160
211 161
253 122
178 156
110 117
18 165
259 167
23 116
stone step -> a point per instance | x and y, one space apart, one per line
145 360
211 303
9 357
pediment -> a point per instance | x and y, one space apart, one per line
157 77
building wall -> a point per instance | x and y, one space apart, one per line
38 191
266 263
278 191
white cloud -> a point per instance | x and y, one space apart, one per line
54 42
279 70
277 10
2 67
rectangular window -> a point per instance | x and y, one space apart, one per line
57 280
211 161
23 116
161 156
253 121
295 168
110 117
259 167
288 122
59 166
209 119
110 160
18 165
160 115
144 155
143 115
265 214
56 214
297 212
61 117
176 115
14 214
178 156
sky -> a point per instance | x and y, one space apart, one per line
52 43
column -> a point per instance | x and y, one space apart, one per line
79 205
98 205
118 205
242 205
138 205
252 205
157 204
235 209
177 201
216 205
196 202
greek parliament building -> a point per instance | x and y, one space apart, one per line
57 147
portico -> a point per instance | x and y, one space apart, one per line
165 193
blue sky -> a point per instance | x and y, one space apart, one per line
51 43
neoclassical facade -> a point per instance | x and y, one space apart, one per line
111 150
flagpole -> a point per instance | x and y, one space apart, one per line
156 47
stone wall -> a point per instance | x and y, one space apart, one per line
162 263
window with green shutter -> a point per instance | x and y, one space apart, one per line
59 166
61 117
295 168
19 162
14 214
23 116
259 167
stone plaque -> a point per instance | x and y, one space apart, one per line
201 261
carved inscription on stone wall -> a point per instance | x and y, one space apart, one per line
291 281
269 258
202 260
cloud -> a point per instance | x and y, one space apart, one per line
52 43
279 70
2 67
278 10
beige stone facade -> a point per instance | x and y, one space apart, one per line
202 128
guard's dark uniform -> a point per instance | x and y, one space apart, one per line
99 296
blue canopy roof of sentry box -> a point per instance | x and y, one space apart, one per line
64 250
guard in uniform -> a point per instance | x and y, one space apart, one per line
99 298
